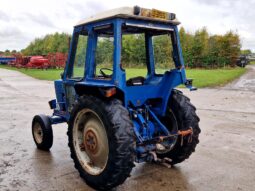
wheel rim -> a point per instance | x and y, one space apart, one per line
90 141
169 144
38 133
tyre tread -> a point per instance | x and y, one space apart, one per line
123 137
186 116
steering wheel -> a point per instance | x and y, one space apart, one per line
104 74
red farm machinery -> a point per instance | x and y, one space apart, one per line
52 60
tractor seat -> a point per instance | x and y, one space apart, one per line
136 81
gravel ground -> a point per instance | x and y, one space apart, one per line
224 159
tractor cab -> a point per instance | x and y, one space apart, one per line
130 53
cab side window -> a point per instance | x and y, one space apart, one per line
80 56
104 52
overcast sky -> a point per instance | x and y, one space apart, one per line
23 20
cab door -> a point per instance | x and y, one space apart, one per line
75 68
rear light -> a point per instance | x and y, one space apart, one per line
110 92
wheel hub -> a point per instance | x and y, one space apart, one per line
91 143
38 133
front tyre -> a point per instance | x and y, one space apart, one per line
42 132
101 141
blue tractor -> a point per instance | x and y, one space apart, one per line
119 116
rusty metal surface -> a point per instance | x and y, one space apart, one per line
224 159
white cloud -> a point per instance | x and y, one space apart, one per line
22 21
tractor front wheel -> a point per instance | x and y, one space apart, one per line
101 141
42 132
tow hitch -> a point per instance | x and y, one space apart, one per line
167 161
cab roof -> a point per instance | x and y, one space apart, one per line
124 12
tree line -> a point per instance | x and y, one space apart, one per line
51 43
200 49
209 51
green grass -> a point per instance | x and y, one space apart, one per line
252 62
214 77
202 77
49 74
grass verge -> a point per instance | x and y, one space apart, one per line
202 77
215 77
49 74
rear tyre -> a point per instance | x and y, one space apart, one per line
101 141
42 132
186 117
